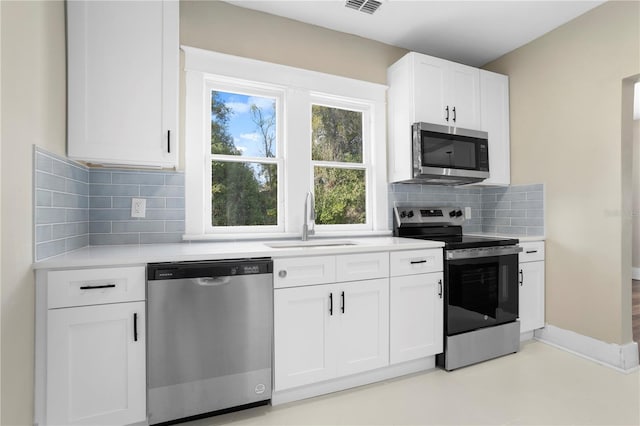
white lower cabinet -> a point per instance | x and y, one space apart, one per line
90 347
531 277
94 354
416 315
330 330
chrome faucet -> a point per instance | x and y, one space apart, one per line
309 217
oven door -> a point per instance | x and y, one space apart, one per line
480 292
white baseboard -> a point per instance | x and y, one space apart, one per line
386 373
635 273
620 357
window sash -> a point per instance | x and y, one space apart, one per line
364 109
248 89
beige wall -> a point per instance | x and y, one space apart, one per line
566 132
33 112
224 28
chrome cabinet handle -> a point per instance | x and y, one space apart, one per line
521 277
447 110
169 141
440 288
282 273
531 251
414 262
342 307
454 114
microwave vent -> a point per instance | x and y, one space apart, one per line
366 6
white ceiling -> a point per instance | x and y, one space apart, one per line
470 32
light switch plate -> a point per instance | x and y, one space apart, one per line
138 207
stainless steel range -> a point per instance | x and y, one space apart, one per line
480 285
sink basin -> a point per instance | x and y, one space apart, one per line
314 243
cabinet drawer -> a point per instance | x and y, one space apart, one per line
363 266
298 271
531 251
411 262
81 287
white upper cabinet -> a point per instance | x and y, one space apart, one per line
123 82
432 90
446 92
494 98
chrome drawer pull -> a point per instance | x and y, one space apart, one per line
414 262
531 251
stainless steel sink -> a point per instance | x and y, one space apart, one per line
314 243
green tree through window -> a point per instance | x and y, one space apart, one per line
339 173
243 192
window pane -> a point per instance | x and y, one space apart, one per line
340 196
336 134
244 194
243 125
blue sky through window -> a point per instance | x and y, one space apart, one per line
246 133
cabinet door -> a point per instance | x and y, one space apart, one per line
531 297
463 94
416 316
123 81
303 335
363 340
430 77
494 97
96 365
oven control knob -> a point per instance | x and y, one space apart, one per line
452 213
410 214
403 214
458 213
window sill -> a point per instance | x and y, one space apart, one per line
284 236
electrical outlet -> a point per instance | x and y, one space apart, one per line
467 212
138 207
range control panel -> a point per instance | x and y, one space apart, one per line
429 215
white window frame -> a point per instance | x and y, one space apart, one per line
299 89
245 88
365 110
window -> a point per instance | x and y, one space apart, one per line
244 162
338 145
259 136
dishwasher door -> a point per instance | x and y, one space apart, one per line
209 337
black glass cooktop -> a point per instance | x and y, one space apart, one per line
452 237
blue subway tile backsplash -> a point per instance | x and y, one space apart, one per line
76 206
515 210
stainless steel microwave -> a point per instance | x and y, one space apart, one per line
444 155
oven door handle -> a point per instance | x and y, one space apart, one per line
482 252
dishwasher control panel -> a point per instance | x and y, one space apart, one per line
214 268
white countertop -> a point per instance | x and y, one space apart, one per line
146 253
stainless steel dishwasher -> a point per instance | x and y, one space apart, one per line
210 333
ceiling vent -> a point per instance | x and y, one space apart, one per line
366 6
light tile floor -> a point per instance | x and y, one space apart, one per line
540 385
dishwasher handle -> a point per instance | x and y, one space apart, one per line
212 281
